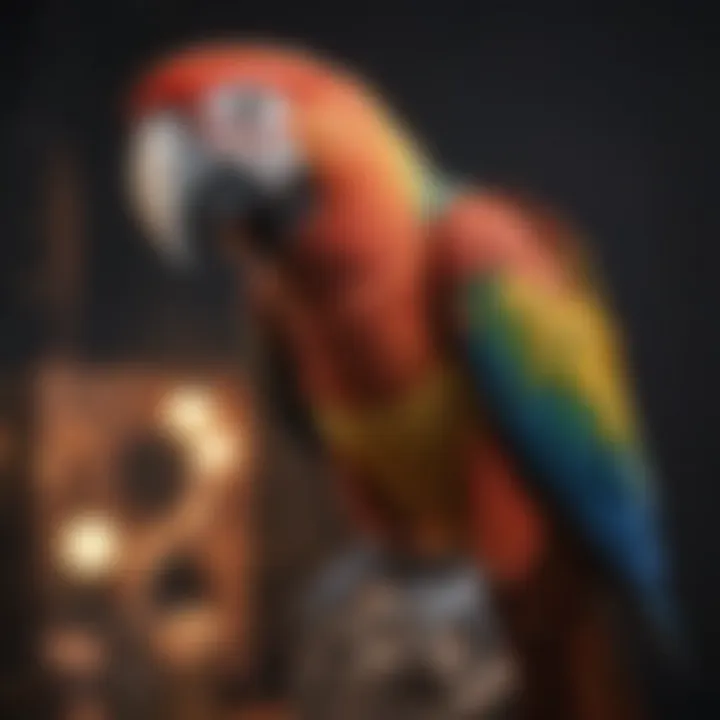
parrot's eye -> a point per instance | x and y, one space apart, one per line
243 107
250 125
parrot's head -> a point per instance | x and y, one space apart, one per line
282 149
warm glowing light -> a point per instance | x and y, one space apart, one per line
193 414
188 410
217 453
88 546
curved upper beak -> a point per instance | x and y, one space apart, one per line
185 186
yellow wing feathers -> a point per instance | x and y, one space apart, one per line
569 341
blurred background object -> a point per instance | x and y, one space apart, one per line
144 528
20 688
396 638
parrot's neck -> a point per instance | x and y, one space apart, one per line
438 192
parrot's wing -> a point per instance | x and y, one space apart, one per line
544 360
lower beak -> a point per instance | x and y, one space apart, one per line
228 197
224 197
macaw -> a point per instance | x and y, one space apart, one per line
450 342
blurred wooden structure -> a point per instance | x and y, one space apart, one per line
143 517
288 511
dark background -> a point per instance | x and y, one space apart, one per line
610 114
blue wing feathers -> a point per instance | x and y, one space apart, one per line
598 484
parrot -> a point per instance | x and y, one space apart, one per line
451 343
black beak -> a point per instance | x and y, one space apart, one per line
228 195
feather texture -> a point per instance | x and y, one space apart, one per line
545 362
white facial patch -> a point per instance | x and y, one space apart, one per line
250 125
